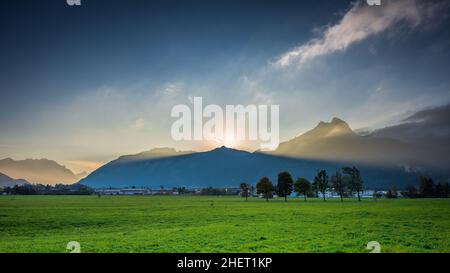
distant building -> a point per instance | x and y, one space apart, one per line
108 191
233 191
135 191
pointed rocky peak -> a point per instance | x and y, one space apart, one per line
336 121
337 127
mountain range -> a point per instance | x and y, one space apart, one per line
389 156
41 171
392 155
224 167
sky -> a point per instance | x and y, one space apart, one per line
85 84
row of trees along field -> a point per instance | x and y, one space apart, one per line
426 189
344 182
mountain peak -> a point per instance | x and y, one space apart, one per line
337 127
222 148
227 150
336 120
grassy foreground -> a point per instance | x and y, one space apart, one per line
220 224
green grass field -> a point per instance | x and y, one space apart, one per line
220 224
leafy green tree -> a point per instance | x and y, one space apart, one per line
285 185
338 184
265 187
354 181
321 182
246 188
302 186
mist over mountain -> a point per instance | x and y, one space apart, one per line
421 142
42 171
81 175
6 181
423 126
427 130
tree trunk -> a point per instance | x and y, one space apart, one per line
359 197
304 196
323 194
342 199
285 198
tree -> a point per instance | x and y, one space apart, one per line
265 187
426 187
302 186
321 182
445 190
245 190
337 183
354 180
315 188
285 185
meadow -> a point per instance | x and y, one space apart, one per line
221 224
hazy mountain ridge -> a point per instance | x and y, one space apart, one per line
42 171
6 181
156 153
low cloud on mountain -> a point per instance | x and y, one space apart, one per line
422 127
